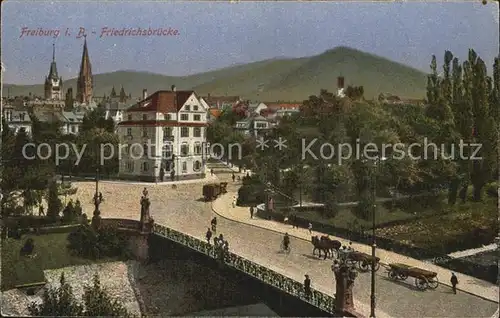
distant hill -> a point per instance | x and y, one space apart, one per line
275 79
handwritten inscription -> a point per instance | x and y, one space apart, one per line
103 32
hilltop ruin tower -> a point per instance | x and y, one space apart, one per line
53 83
84 84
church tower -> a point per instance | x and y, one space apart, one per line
84 84
53 83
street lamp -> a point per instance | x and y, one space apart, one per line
374 244
96 219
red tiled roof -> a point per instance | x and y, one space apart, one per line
215 112
162 102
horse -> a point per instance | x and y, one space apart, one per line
325 244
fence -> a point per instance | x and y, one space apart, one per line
270 277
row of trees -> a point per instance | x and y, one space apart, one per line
462 104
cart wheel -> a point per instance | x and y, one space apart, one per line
392 274
421 283
363 266
433 283
377 266
402 276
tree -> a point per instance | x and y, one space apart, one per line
60 301
99 303
54 203
69 101
57 302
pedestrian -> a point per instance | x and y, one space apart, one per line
307 287
234 202
248 175
209 235
251 212
211 172
145 192
226 246
310 228
234 177
454 282
239 169
40 211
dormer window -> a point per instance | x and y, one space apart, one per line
187 108
195 108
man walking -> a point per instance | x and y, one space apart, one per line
307 287
454 282
234 202
251 212
233 177
211 172
209 235
145 192
310 228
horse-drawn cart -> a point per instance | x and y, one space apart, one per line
424 279
363 260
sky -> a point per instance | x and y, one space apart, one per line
213 35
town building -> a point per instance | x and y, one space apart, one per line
17 120
115 105
53 83
71 122
255 126
163 137
222 102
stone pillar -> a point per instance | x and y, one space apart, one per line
344 280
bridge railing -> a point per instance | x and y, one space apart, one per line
318 299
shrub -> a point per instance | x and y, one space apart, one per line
250 194
28 247
105 242
492 189
54 203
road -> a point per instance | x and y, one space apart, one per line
183 209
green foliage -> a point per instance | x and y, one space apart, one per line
105 242
99 303
72 212
57 302
61 301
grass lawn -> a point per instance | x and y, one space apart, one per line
51 253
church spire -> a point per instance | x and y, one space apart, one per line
84 83
53 52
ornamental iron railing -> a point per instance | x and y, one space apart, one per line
266 275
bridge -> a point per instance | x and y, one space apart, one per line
322 301
258 241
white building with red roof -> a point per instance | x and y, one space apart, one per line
163 137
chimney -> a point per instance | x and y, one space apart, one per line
144 93
340 82
173 88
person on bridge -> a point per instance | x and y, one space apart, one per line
214 224
145 192
286 242
209 235
454 282
307 287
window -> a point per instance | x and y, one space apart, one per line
184 131
145 150
195 108
184 149
197 132
197 117
187 108
168 117
184 167
197 148
129 117
129 132
167 132
144 117
167 152
129 166
144 132
196 165
261 125
184 116
145 166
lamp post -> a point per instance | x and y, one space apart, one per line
96 219
374 244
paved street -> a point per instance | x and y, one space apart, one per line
182 209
